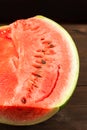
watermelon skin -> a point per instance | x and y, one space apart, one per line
15 113
25 116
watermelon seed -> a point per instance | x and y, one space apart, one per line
38 56
43 50
51 46
23 100
43 61
35 85
29 90
42 38
36 75
36 66
59 67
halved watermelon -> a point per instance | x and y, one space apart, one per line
39 68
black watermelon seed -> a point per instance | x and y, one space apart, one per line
35 85
43 61
43 50
37 75
42 38
23 100
51 46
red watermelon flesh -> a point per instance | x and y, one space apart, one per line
36 70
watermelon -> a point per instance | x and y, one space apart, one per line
39 68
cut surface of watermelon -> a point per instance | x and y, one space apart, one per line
39 68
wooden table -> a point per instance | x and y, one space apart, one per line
74 115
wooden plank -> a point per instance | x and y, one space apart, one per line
79 97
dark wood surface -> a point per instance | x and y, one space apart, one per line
74 115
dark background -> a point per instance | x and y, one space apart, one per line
63 11
73 16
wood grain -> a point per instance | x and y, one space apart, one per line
74 115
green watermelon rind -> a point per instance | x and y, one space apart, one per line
39 120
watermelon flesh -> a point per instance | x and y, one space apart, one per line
39 70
